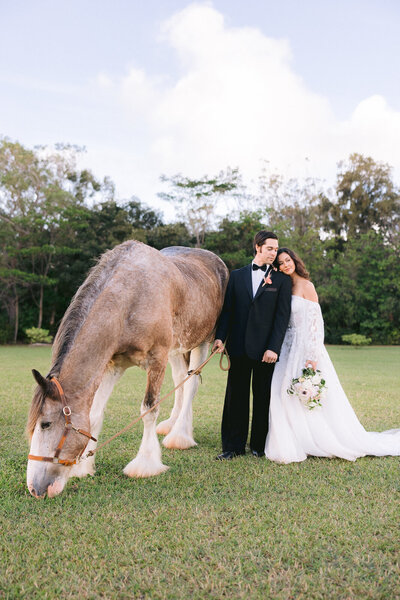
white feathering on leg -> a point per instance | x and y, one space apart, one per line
148 460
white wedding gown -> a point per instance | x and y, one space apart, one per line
333 430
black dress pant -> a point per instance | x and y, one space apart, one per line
235 419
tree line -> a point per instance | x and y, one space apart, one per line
57 219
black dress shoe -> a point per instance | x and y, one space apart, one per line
257 454
228 455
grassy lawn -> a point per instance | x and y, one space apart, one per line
322 529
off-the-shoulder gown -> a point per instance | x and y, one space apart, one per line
333 430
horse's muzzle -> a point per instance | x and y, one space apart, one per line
36 493
42 483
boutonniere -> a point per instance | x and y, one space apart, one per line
267 278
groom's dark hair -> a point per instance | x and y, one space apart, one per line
261 236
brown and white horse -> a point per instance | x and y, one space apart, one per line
138 306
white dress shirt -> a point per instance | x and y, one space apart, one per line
256 277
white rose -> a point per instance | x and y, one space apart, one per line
298 387
307 385
305 395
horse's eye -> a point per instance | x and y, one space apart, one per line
45 425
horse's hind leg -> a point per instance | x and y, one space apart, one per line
110 378
148 460
181 434
179 367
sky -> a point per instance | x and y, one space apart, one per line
153 87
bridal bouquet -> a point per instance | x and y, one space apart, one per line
308 388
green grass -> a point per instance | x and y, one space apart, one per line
322 529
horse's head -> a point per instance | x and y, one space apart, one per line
58 437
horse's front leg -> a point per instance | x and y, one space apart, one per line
86 465
148 460
181 434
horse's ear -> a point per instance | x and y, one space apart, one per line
39 379
47 386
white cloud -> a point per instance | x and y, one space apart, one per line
104 81
237 100
374 128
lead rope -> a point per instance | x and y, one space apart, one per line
189 375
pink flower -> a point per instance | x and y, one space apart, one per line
267 279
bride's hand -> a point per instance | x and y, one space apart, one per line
312 364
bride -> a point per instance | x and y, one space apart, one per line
333 430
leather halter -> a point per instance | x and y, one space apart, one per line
68 426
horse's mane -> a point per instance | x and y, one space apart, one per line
83 301
75 317
35 410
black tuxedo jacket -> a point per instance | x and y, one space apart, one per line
250 325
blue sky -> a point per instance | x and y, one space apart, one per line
151 87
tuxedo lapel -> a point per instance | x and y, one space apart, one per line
248 280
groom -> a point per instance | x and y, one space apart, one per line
254 319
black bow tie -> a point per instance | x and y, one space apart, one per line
263 267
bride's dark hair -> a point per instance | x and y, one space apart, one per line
298 263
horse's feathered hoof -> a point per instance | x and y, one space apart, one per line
164 427
139 467
179 441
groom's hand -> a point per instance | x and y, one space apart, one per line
270 356
218 345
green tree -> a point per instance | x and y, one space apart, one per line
362 293
196 199
169 234
36 189
141 216
292 209
233 240
25 184
366 199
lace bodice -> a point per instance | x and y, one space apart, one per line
306 329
